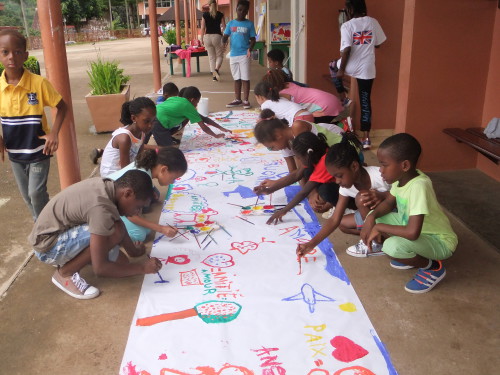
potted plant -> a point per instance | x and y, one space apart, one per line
109 90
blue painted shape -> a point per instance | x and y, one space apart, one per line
309 296
333 266
385 353
243 191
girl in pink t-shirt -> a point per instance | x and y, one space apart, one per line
323 105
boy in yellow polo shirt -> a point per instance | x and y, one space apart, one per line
26 136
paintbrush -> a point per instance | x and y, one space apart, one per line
224 229
237 205
245 220
180 234
207 244
208 234
196 238
161 278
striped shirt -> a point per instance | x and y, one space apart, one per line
23 118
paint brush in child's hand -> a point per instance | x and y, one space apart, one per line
161 281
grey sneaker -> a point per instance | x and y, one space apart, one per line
360 250
246 104
75 286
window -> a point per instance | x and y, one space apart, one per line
161 3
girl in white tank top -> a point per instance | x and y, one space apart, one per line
126 142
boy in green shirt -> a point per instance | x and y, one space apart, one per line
175 112
420 234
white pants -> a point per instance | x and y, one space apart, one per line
214 47
240 67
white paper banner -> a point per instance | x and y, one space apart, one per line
230 300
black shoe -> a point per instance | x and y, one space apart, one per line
95 154
214 78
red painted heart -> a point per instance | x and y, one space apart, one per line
346 350
244 247
219 260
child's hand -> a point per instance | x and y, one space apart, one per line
51 143
370 198
304 249
220 135
265 187
374 235
277 216
152 265
168 231
367 228
2 149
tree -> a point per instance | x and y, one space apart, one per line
78 11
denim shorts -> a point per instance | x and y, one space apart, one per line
359 220
69 244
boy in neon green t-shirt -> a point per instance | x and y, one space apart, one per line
420 234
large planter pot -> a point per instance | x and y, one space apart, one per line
105 110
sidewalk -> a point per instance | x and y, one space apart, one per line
451 330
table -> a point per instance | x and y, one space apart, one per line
193 54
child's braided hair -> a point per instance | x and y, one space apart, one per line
310 146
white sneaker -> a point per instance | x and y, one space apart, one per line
328 214
75 286
360 250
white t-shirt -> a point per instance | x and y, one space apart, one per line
283 108
362 35
376 179
110 161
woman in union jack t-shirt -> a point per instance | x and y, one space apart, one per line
359 38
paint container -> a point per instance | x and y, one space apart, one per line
269 207
246 208
203 107
269 211
246 212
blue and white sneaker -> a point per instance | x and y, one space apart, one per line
400 266
360 250
425 279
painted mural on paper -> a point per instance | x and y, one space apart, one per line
230 299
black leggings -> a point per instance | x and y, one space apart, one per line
163 136
364 91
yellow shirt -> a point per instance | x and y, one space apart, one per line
22 115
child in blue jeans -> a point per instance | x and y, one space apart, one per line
419 234
26 135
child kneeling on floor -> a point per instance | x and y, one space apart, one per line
81 225
420 234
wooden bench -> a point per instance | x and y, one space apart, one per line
475 138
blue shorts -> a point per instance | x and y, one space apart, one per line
359 220
69 244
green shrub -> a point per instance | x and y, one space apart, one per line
170 37
31 64
106 77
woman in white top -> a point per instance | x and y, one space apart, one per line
126 142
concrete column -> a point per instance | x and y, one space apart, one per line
56 66
155 54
